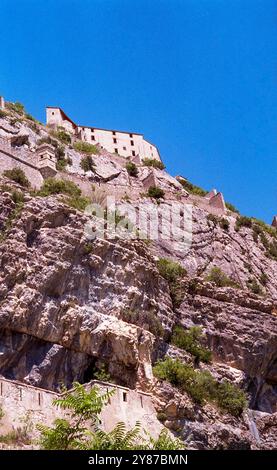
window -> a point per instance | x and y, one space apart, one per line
133 153
114 133
92 137
115 141
132 142
116 150
124 148
141 402
124 396
39 399
53 113
1 389
131 135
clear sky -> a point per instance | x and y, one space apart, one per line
197 77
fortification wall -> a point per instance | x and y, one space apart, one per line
19 401
8 162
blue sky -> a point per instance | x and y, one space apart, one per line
197 77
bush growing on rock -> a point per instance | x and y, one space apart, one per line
243 221
16 107
153 163
132 169
18 176
87 164
190 341
220 279
62 135
191 188
155 192
55 186
201 385
146 319
231 207
86 147
172 272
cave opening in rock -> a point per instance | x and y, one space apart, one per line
89 371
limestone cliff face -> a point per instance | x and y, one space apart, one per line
69 305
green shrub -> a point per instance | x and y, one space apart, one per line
77 202
190 341
87 164
16 107
220 279
243 221
161 416
231 207
201 385
3 114
231 398
86 147
102 374
172 272
255 287
55 186
212 218
224 224
62 135
155 192
153 163
146 319
263 279
17 175
191 188
132 169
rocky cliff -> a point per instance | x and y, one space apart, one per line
69 305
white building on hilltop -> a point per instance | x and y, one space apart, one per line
126 144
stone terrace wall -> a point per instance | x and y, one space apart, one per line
10 158
19 400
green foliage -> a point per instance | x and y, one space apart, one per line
77 202
132 169
201 385
81 430
243 221
231 207
18 199
86 147
155 192
173 273
146 319
170 270
191 188
17 175
161 416
2 414
153 163
62 135
255 287
16 107
165 442
55 186
224 224
220 279
231 398
190 341
87 164
102 374
213 219
3 114
263 279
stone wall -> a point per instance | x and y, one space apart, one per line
9 161
21 401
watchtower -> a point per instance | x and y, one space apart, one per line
46 160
